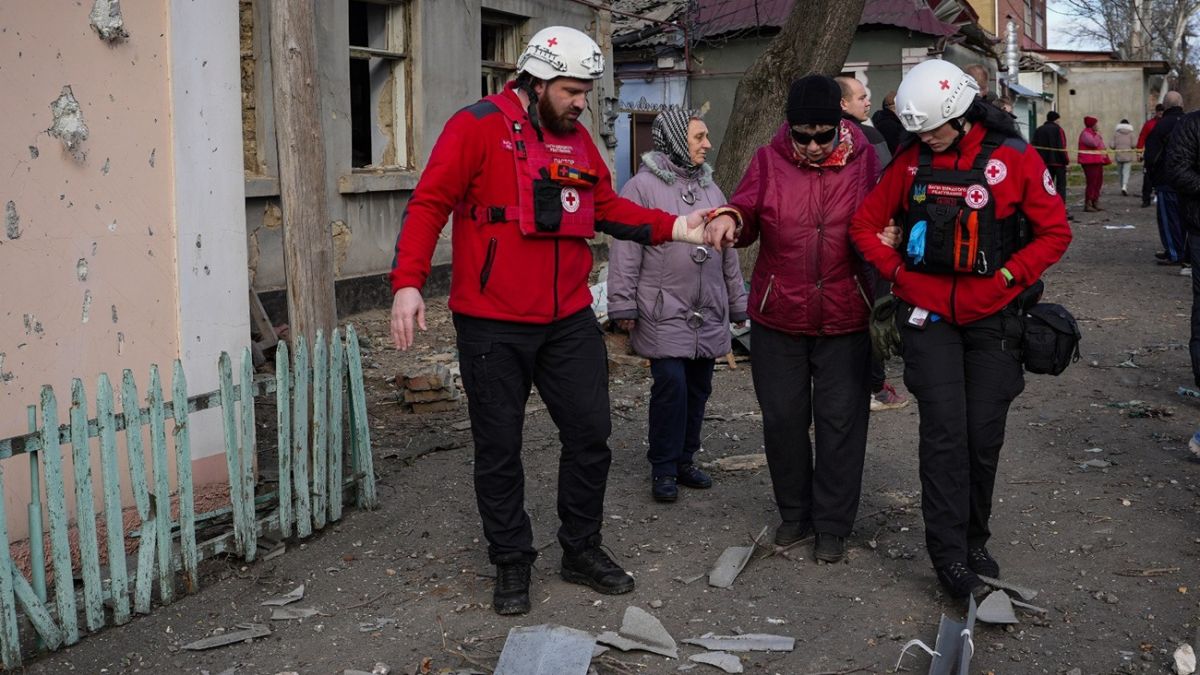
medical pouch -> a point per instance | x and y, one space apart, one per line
1050 341
547 203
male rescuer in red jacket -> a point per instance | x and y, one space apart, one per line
528 188
980 223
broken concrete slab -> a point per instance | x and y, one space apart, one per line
641 631
748 642
68 125
546 649
727 662
1027 594
731 563
287 598
293 613
108 21
997 608
249 632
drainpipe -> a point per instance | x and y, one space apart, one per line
1012 53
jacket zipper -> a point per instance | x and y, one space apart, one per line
820 246
766 294
487 265
554 289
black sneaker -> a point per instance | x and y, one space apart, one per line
830 548
690 476
664 489
959 581
511 594
982 562
592 567
790 532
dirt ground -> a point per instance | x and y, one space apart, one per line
1113 551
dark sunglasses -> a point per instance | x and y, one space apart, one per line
821 137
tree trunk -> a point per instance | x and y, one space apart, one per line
307 233
815 39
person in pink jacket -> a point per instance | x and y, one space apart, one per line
1093 155
808 310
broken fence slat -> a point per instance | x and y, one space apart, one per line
232 461
37 612
162 487
283 417
85 510
248 445
320 429
302 491
181 435
365 464
111 478
10 641
56 498
337 368
138 476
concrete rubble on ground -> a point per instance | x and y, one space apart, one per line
1027 594
641 631
293 613
1185 660
546 650
249 631
731 563
430 389
727 662
286 599
747 642
996 608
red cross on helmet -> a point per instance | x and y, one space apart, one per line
561 51
933 93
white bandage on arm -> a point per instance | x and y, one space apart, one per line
680 232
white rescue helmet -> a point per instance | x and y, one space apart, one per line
561 51
933 93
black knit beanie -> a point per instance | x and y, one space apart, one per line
814 99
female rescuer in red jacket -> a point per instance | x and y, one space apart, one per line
980 222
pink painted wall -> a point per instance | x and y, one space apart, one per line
112 212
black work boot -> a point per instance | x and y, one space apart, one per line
693 477
830 548
982 562
592 567
664 489
790 532
511 594
959 581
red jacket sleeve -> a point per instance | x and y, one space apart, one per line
880 206
1047 216
1145 133
618 216
747 198
457 156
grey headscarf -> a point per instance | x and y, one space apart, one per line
670 135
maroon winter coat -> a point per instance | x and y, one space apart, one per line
808 278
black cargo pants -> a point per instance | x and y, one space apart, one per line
964 379
568 362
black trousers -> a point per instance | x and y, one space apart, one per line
1060 181
964 379
800 380
1147 187
1193 249
677 398
568 362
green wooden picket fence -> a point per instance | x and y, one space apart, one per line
312 486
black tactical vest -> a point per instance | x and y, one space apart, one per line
955 214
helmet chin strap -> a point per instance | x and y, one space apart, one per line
534 121
960 127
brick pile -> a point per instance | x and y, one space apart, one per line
430 390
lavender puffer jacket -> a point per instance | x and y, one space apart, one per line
682 296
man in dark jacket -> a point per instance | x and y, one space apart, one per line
1182 170
856 103
1147 186
1051 143
1169 230
888 124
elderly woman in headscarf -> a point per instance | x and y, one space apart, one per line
676 300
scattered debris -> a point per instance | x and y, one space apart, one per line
731 563
1119 227
292 613
12 221
1095 464
1141 409
1032 609
546 650
1185 660
953 648
739 462
640 630
996 608
249 631
108 21
747 642
1027 594
69 126
377 624
727 662
429 390
288 598
690 579
1148 572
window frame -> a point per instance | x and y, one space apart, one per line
398 51
510 28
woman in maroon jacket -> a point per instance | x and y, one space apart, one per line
808 311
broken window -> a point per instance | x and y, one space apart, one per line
501 45
380 78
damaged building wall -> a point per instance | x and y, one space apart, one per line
440 77
91 257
